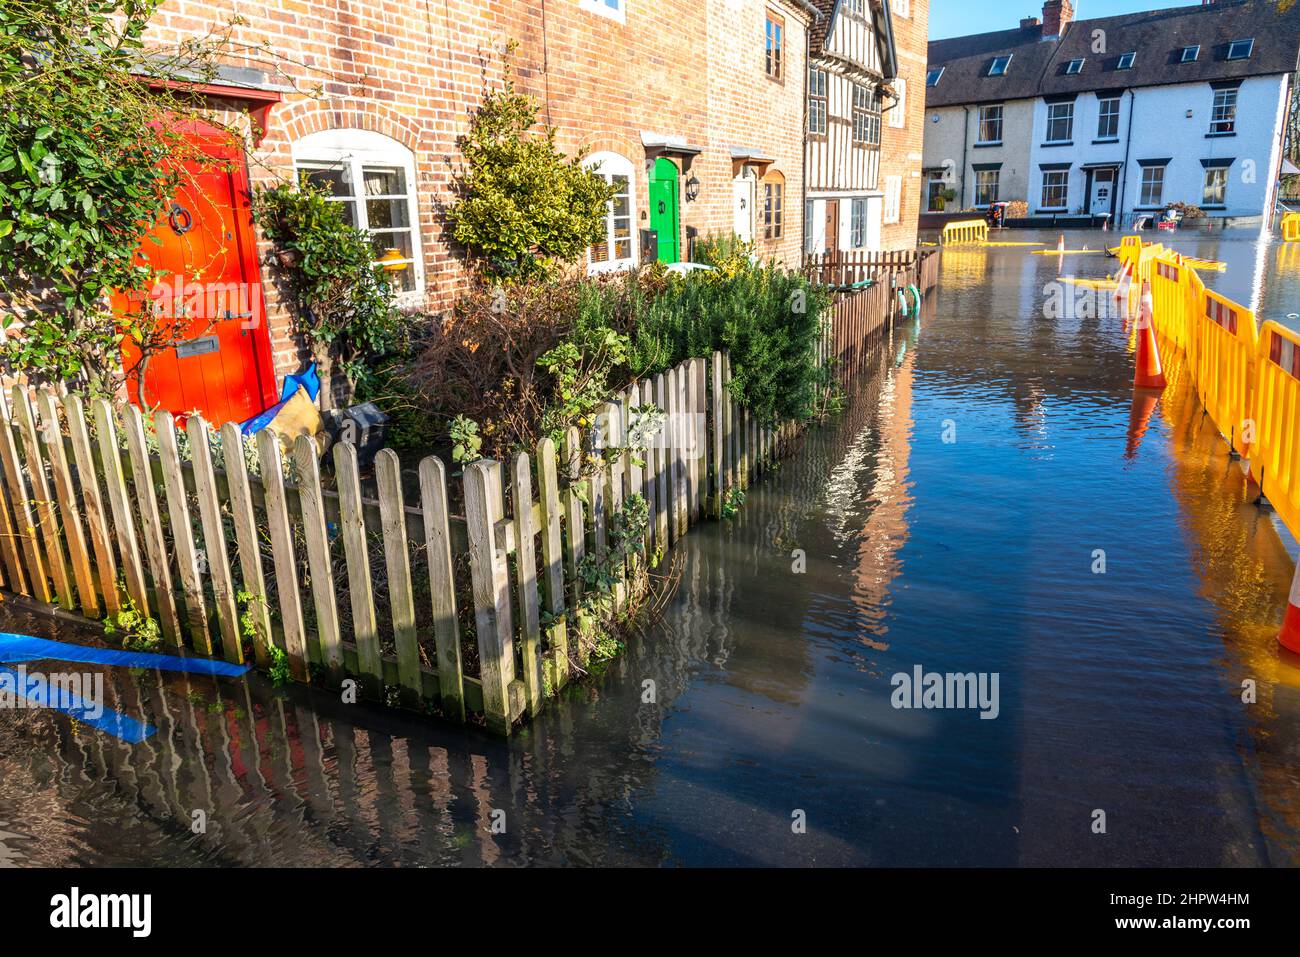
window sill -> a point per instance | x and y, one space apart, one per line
1052 209
1149 209
1104 142
1213 207
1056 143
601 10
1215 136
981 146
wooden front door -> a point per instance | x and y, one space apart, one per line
832 230
663 209
210 288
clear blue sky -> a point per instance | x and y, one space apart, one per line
957 18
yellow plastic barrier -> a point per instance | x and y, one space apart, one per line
966 231
1170 302
1225 353
1275 455
1291 227
1248 378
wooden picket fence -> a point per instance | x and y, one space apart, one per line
860 312
373 578
856 266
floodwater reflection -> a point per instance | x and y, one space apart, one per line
950 518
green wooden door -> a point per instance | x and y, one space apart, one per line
663 208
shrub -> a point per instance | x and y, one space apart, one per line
341 302
522 206
533 358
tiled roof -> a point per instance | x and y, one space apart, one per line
1156 37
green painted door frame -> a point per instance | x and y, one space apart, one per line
663 209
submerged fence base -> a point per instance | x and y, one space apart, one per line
376 584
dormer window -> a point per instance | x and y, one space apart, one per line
1126 61
999 65
1190 54
1240 49
1074 67
932 78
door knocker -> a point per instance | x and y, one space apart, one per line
180 219
663 207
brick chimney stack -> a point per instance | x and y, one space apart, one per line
1030 23
1057 14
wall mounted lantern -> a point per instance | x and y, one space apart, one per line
692 189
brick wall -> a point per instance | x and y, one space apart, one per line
901 149
680 68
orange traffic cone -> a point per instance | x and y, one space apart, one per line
1148 372
1290 634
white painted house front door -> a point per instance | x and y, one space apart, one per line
744 203
1103 191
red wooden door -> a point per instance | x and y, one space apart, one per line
210 289
833 228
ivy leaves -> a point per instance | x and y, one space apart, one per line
341 302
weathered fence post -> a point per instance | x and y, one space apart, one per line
123 523
283 555
92 499
490 572
530 627
146 500
401 598
87 596
352 524
442 586
319 563
553 559
247 542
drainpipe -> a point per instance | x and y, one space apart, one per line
965 139
1128 140
803 140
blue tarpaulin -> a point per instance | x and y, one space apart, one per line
307 379
21 648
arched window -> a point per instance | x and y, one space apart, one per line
618 250
373 176
773 225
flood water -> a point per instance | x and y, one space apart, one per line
952 518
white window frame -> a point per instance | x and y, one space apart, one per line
1064 185
982 118
819 96
1194 49
1126 60
893 199
1223 113
857 223
1250 48
1005 60
608 165
602 9
995 186
1145 185
1068 119
898 112
1218 173
1075 66
933 76
1104 114
355 150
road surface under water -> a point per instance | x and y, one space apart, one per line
877 547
